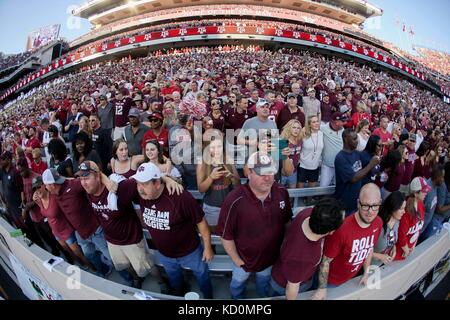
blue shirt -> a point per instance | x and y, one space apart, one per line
346 165
443 199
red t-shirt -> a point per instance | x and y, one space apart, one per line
38 168
409 230
384 138
163 138
349 247
32 143
171 221
299 256
256 227
61 228
76 208
122 227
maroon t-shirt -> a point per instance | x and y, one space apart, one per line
122 227
235 120
171 221
76 208
299 256
121 109
256 227
61 228
286 115
409 166
395 178
421 170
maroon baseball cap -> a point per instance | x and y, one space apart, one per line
157 115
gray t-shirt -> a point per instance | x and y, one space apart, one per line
254 128
386 241
332 144
430 204
106 116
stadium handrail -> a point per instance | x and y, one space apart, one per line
395 279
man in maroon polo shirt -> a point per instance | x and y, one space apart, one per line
72 201
251 225
301 251
172 221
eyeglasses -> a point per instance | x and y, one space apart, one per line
366 207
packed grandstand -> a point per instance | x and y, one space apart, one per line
263 100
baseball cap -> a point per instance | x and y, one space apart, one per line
310 90
419 184
138 97
147 172
36 182
51 176
85 168
412 137
262 164
344 108
134 112
261 102
291 95
157 115
249 80
338 116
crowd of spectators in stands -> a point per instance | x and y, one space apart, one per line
89 148
7 61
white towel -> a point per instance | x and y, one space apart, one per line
112 197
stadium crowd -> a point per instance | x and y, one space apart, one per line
13 60
90 159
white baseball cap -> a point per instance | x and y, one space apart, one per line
147 172
51 176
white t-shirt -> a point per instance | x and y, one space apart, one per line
361 143
311 153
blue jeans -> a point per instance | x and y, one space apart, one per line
239 282
192 261
433 227
280 291
95 242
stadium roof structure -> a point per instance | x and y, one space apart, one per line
102 12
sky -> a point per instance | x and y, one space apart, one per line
428 18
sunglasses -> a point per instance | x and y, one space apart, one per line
154 120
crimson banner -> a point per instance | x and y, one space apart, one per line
209 30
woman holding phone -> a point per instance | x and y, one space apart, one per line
215 177
292 133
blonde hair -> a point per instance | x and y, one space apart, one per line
361 106
287 129
308 126
89 128
36 152
207 164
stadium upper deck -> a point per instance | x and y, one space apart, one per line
102 12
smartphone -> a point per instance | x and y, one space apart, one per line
51 261
282 144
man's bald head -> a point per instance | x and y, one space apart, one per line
370 190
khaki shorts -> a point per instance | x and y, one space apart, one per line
135 255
